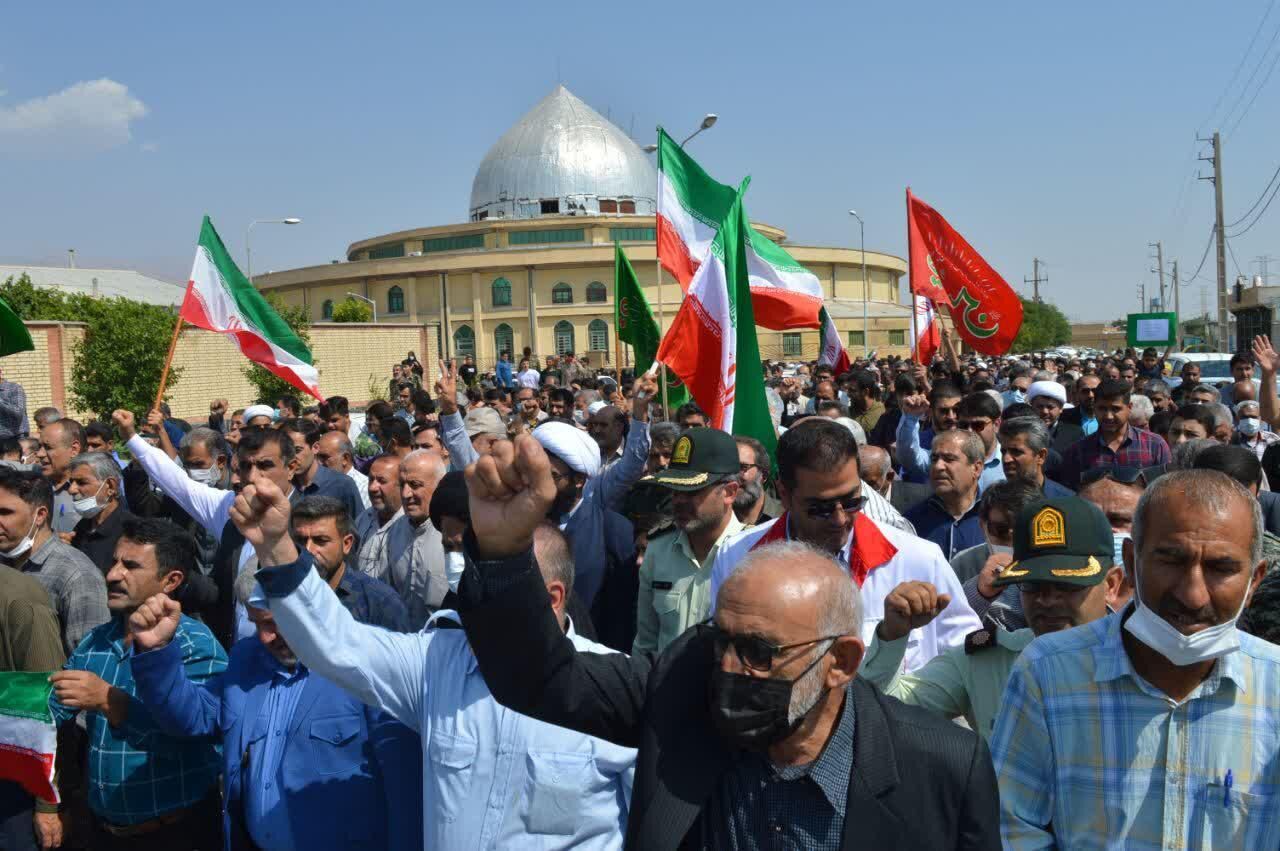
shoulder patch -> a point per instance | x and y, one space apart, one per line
978 640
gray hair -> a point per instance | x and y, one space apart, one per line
1044 375
840 610
1209 490
246 581
1207 388
1141 407
1247 403
1185 454
1221 415
555 559
1031 427
664 432
873 457
210 440
588 396
104 468
425 455
1156 385
970 444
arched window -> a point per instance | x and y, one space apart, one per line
596 293
503 340
562 293
464 341
501 292
395 300
564 337
326 310
598 336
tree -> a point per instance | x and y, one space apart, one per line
1043 327
351 310
118 362
271 387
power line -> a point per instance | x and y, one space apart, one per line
1263 194
1243 58
1203 257
1258 67
1256 91
1232 252
1258 217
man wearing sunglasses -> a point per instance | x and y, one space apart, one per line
1062 566
754 727
823 496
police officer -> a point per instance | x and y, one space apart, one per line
1064 568
675 577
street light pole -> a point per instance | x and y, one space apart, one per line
248 252
373 304
708 121
862 242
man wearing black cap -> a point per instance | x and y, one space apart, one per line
675 578
1063 565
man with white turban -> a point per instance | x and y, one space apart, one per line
257 412
589 497
1049 398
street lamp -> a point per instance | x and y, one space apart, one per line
372 303
248 253
862 241
708 121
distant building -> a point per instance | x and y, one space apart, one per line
1104 336
102 283
532 264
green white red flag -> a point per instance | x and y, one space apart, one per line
712 342
928 332
833 353
691 206
28 737
219 298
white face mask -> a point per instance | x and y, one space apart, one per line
88 506
1118 553
454 564
23 545
1249 426
1182 650
204 477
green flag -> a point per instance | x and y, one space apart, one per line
14 336
631 314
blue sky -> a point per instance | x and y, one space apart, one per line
1064 131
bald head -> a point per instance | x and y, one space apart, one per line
787 589
420 472
875 467
334 451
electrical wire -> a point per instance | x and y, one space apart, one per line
1275 36
1232 252
1256 91
1243 58
1262 195
1258 217
1203 257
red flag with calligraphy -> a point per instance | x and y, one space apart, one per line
946 269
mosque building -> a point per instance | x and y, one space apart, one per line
532 265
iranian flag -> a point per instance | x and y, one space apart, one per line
928 332
712 342
28 737
219 298
691 206
833 353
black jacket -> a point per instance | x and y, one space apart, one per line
918 780
1066 432
905 495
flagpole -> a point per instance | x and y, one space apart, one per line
168 361
662 302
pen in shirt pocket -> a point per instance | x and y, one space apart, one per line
1226 786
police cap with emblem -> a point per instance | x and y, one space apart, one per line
700 457
1066 540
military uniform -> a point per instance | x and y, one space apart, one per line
1064 541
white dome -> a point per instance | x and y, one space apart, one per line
563 157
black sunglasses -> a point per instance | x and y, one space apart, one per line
755 652
851 503
1123 475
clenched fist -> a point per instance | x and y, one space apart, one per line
154 623
125 423
909 606
510 492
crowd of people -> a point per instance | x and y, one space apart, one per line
1024 601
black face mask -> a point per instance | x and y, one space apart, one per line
751 712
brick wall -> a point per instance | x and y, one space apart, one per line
349 357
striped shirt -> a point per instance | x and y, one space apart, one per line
1090 755
137 773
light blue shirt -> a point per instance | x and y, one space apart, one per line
492 779
1088 425
266 812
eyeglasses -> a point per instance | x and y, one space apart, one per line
755 652
973 425
1123 475
851 503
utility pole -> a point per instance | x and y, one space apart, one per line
1035 280
1216 159
1263 262
1177 310
1159 269
1142 296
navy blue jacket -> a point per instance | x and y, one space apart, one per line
934 523
352 775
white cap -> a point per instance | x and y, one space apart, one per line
259 411
1052 389
596 407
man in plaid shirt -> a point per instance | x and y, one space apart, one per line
146 790
1115 443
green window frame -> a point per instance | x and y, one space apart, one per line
464 341
791 345
596 293
386 252
897 337
504 340
857 339
537 237
501 292
562 293
633 234
453 243
563 333
326 310
395 300
598 336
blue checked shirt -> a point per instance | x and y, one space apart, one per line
1090 755
137 773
